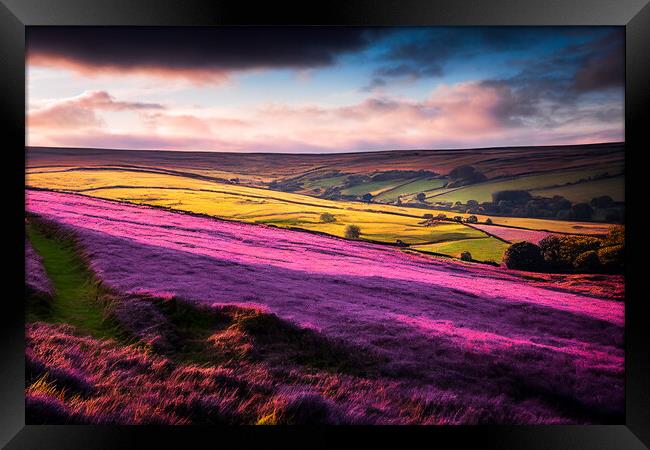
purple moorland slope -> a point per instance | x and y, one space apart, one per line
461 327
36 278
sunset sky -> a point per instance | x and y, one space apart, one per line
323 89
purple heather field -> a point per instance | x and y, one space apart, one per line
449 342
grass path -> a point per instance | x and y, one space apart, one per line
77 299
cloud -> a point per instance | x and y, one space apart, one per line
603 65
80 111
201 54
466 114
595 63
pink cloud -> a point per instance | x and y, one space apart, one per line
198 76
459 115
80 111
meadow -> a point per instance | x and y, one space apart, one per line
206 321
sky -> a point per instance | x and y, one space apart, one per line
323 89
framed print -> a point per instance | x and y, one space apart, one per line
396 220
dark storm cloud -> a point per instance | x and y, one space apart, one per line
603 65
427 55
217 48
547 86
594 65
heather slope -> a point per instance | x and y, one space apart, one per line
458 326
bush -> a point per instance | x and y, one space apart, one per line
587 262
524 256
352 232
561 252
421 197
472 219
458 218
615 236
427 216
327 218
488 221
466 256
612 258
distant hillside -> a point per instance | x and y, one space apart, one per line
421 178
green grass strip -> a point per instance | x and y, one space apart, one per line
77 298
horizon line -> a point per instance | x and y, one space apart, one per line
323 153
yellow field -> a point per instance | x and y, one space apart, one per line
381 223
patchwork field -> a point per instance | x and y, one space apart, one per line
378 222
574 172
213 321
575 185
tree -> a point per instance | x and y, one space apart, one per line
616 235
472 219
612 258
524 256
511 196
561 252
582 211
367 197
352 232
421 197
427 216
604 201
488 221
327 217
458 218
587 262
466 256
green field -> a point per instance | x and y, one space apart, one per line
551 183
482 249
412 187
584 192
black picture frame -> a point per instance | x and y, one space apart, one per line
15 15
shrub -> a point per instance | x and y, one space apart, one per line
466 256
458 218
612 258
488 221
327 217
427 216
472 219
441 216
352 232
421 197
524 256
561 252
587 262
615 236
366 197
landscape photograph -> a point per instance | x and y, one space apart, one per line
325 225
